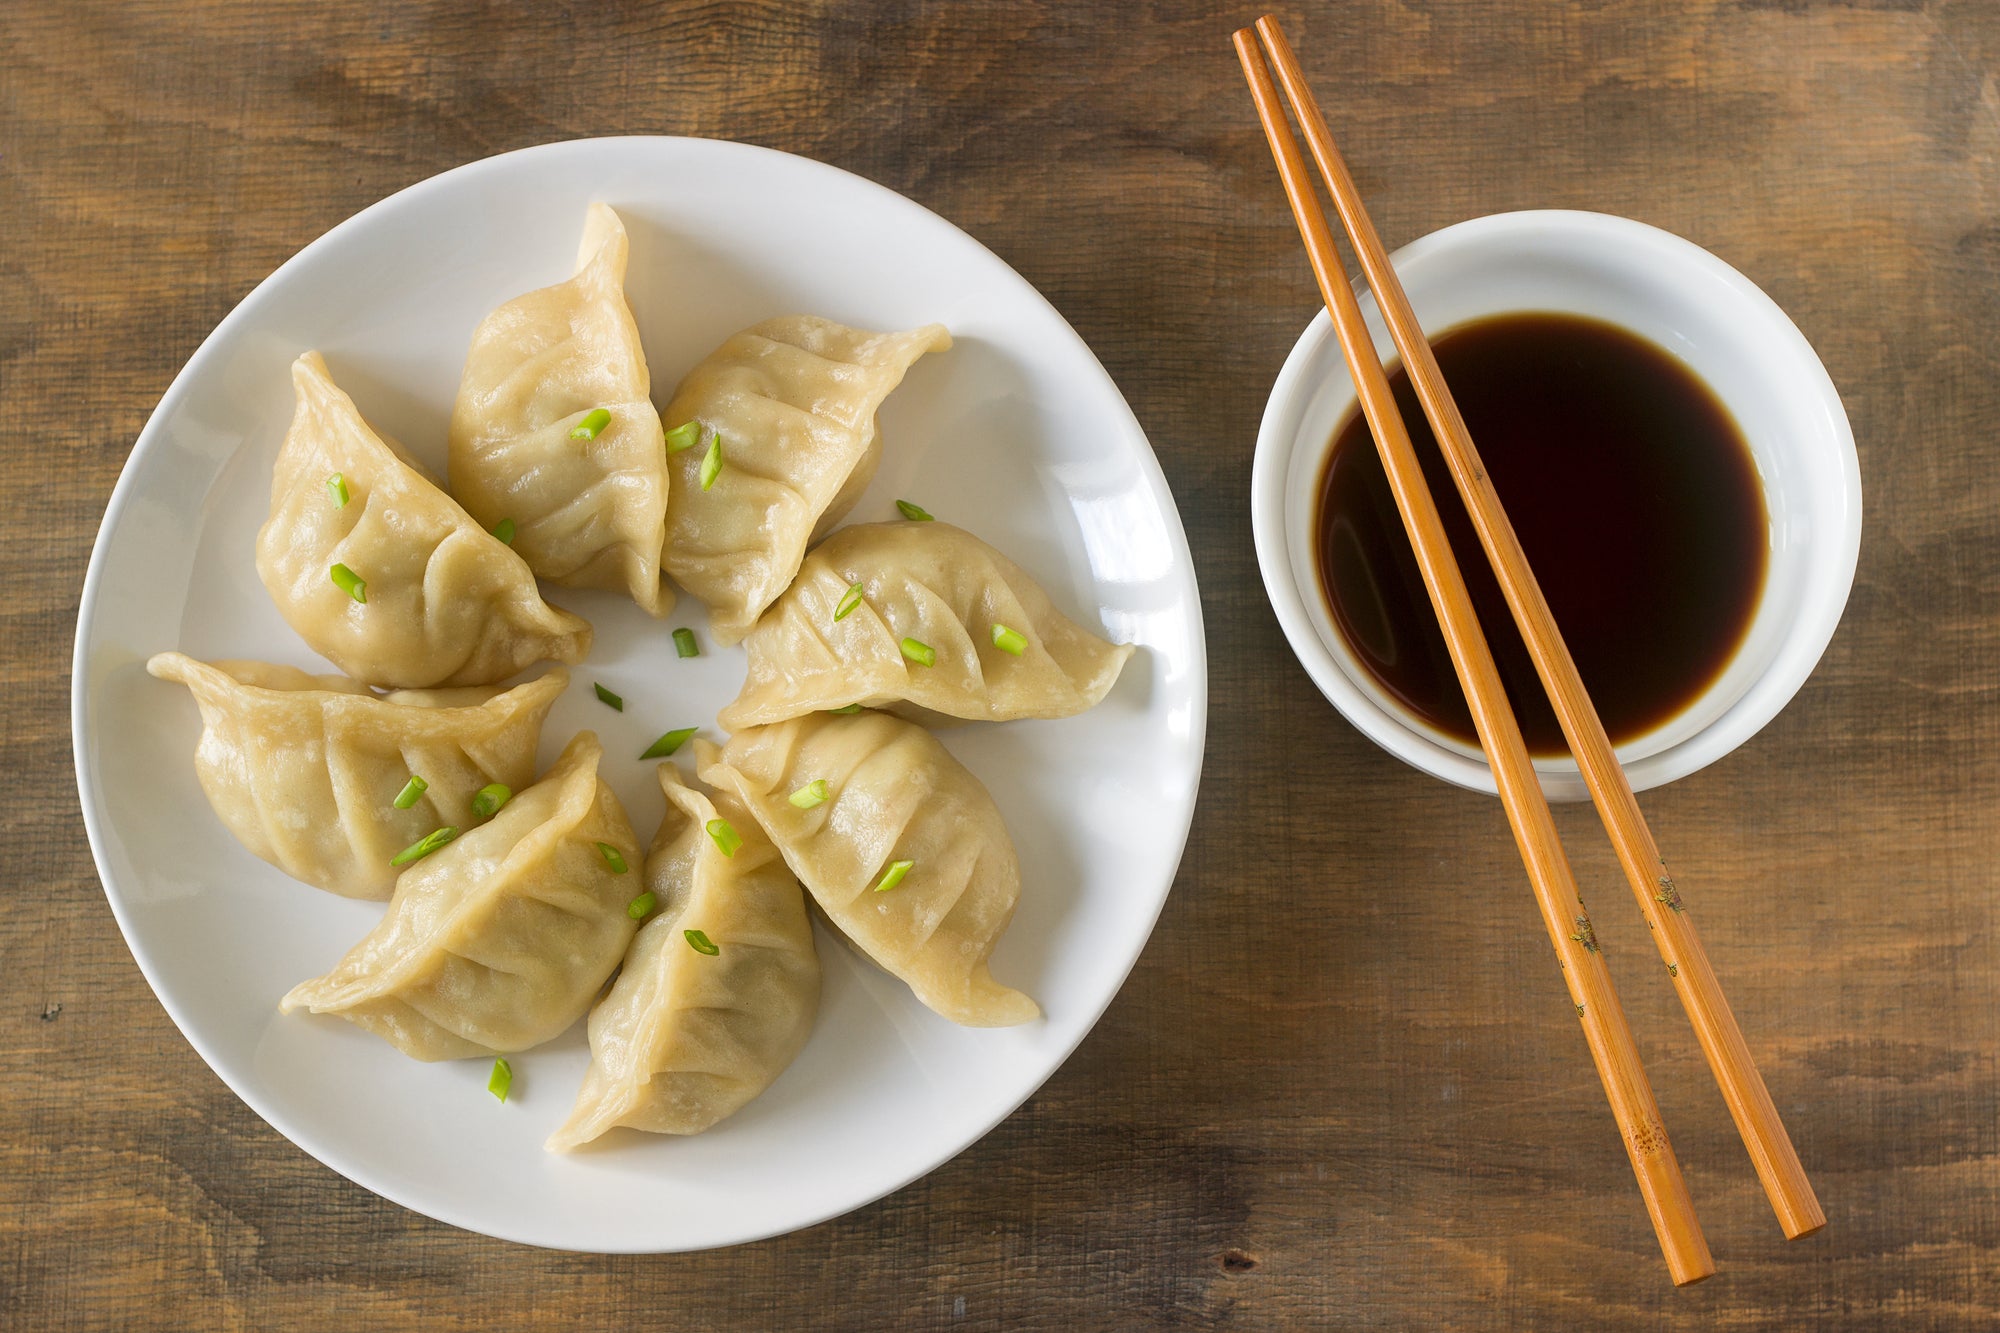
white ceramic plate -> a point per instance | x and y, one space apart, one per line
1017 433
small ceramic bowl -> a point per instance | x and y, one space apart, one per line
1684 300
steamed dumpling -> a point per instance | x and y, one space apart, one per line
942 587
447 603
305 770
893 794
500 939
587 513
793 402
686 1038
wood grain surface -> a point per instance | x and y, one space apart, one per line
1343 1087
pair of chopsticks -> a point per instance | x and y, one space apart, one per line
1577 952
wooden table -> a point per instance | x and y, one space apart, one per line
1343 1087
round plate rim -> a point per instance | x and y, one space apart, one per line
178 387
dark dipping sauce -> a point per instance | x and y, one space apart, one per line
1631 491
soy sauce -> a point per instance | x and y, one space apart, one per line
1631 490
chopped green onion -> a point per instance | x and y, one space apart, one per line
1009 640
612 857
684 436
639 906
812 794
915 513
486 802
726 838
669 743
503 1078
412 789
711 463
606 696
350 583
594 421
920 653
684 644
848 601
701 943
424 846
504 530
336 486
848 711
894 875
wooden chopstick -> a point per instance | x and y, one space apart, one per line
1597 1008
1757 1121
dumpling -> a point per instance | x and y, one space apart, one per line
305 770
948 591
501 938
792 401
906 856
687 1037
381 572
587 513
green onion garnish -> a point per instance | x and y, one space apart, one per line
424 846
812 794
726 838
669 743
1009 640
594 421
639 906
848 601
606 696
412 789
711 463
684 436
612 857
701 943
920 653
684 644
336 486
848 711
350 583
915 513
504 530
894 875
486 802
503 1078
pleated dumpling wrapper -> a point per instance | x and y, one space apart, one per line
997 647
719 989
382 573
306 770
554 433
906 855
785 417
500 939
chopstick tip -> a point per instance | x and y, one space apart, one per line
1248 32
